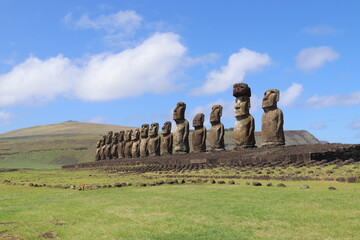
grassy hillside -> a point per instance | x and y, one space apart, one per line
54 145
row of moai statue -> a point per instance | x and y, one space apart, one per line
146 141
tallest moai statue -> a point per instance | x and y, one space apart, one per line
272 132
181 131
245 124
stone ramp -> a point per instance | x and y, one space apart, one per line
299 155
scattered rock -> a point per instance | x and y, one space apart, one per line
341 179
281 185
351 179
269 185
256 184
310 172
117 185
221 182
212 181
247 183
160 182
231 182
151 184
304 186
329 172
47 235
331 188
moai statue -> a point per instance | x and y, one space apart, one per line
98 149
121 144
109 138
167 139
272 132
154 141
102 149
181 132
128 144
114 146
216 133
245 125
135 138
199 134
144 134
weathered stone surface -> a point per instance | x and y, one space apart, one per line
154 141
181 132
135 148
144 134
244 128
272 133
128 144
199 134
216 133
114 146
98 150
167 139
121 145
102 149
107 151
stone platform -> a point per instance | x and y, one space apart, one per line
300 155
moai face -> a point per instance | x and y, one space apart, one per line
127 136
144 130
116 138
179 111
103 142
216 113
271 97
242 106
154 130
109 137
166 129
198 121
135 135
121 136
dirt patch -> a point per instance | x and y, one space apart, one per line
47 235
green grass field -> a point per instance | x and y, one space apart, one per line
178 211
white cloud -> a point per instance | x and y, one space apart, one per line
317 101
315 57
239 64
355 124
321 29
318 126
4 115
150 67
97 119
288 97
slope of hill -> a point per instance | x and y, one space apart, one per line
54 145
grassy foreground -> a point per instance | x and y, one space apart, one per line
181 211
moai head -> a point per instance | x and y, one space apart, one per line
242 106
216 113
103 142
135 135
179 111
271 97
166 129
154 130
198 121
241 89
116 138
144 132
109 137
121 136
127 135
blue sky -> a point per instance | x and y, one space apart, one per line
129 62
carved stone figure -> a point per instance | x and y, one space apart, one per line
244 128
102 149
121 144
181 131
167 139
144 134
114 146
154 141
216 133
135 138
107 151
128 144
98 149
272 132
199 134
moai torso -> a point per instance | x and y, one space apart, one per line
167 139
114 146
98 149
144 134
108 145
244 129
135 148
216 132
199 134
272 132
102 148
181 131
154 141
128 144
121 145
